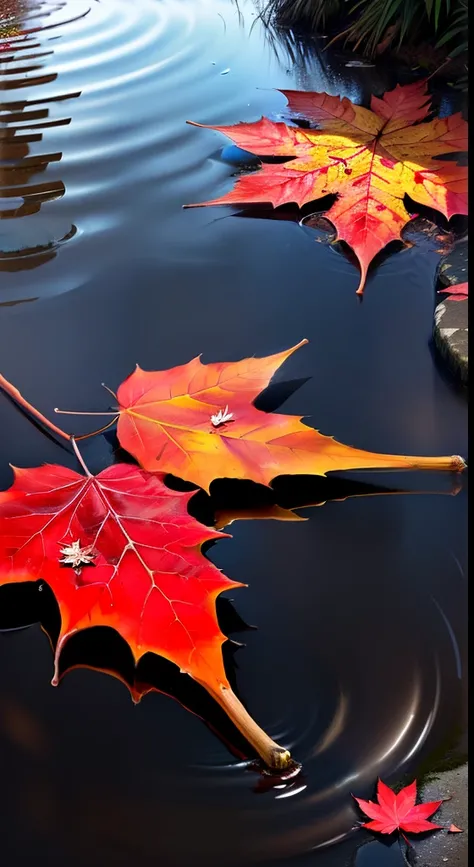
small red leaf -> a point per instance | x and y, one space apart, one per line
398 812
459 292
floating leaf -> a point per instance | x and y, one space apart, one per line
120 550
167 422
459 292
369 158
398 812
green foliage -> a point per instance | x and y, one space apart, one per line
312 13
369 20
456 32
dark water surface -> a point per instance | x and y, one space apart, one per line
358 662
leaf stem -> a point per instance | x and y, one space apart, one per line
77 412
435 71
16 395
455 463
79 457
275 757
109 390
21 401
99 430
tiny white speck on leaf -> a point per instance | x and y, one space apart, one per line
221 417
76 556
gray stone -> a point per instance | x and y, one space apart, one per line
443 847
450 331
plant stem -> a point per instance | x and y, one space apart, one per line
77 412
20 400
455 463
275 757
25 405
109 390
98 431
448 60
79 457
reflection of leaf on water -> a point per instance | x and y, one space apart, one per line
242 500
224 518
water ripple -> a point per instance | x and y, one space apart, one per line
96 161
100 95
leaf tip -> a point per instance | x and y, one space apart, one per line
363 278
302 342
220 534
453 829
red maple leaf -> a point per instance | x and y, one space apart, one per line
459 292
121 550
134 559
398 812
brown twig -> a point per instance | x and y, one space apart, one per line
25 405
29 408
276 758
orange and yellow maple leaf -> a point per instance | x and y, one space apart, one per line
199 422
369 158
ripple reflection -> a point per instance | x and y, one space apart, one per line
27 180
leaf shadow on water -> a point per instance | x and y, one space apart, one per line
104 650
428 229
368 854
